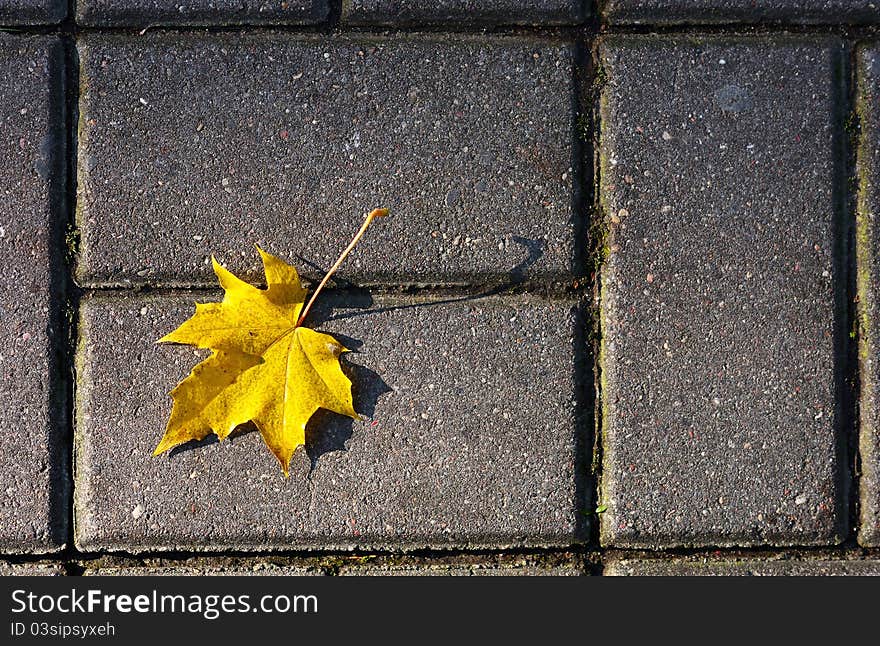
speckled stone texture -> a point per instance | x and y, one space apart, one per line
30 569
495 12
659 12
32 12
719 162
470 437
465 566
868 279
197 144
137 13
744 567
209 566
32 455
341 565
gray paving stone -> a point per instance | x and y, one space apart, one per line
207 570
137 13
468 566
469 142
471 437
744 567
659 12
718 166
32 12
32 457
30 569
494 12
213 566
868 275
343 566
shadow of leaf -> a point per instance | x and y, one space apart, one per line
535 249
328 431
240 431
324 311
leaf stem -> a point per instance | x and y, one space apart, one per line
375 213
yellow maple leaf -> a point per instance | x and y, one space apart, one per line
265 366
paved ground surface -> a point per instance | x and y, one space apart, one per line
31 569
621 320
32 12
490 12
33 462
416 473
720 263
120 13
744 567
663 12
467 140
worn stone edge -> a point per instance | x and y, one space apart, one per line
612 15
110 565
576 13
618 565
336 564
87 17
90 547
41 568
869 521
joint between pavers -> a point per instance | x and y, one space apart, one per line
510 37
61 378
378 546
64 289
558 291
590 561
439 551
599 241
845 366
587 31
583 197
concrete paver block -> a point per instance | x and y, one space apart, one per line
489 12
137 13
471 437
33 455
32 12
192 145
720 162
664 12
